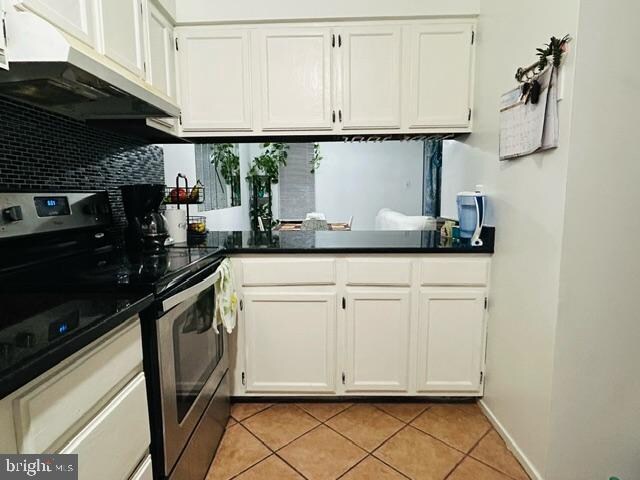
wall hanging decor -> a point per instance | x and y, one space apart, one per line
529 113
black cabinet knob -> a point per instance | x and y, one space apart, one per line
6 351
13 214
25 340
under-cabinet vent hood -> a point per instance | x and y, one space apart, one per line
53 70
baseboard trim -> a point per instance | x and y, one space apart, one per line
346 398
511 444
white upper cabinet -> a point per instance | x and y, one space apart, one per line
122 32
4 60
371 77
295 78
76 17
215 79
451 331
377 336
439 64
290 342
161 71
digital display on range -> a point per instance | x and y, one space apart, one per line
64 325
52 206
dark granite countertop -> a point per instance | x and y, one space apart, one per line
31 343
354 241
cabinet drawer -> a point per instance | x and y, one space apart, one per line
144 471
111 445
58 404
261 272
379 271
452 271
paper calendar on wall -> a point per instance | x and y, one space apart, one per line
527 127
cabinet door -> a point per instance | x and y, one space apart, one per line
4 60
377 349
451 334
122 33
371 88
161 69
290 342
121 429
76 17
215 82
296 79
440 75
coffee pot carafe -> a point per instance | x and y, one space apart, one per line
146 226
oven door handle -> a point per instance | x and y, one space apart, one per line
192 291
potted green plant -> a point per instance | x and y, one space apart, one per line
227 161
316 159
263 172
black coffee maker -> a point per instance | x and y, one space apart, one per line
146 226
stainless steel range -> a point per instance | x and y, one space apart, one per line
187 361
60 245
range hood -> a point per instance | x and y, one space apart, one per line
55 71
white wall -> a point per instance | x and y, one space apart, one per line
527 199
460 172
198 11
181 158
361 178
595 421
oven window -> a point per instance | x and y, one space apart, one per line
197 350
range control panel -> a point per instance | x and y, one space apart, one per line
27 213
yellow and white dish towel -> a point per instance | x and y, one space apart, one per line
226 298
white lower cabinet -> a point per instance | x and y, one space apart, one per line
290 342
119 432
144 471
451 334
377 339
93 404
380 325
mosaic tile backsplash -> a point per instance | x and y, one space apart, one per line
43 151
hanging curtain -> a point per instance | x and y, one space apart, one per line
432 177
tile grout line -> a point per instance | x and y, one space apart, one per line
324 421
382 460
348 439
353 466
467 455
271 452
250 467
488 464
437 439
397 418
277 454
291 466
252 415
286 444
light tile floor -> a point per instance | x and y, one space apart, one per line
362 441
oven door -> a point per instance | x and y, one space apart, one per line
192 361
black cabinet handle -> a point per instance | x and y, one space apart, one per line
339 40
333 40
333 116
340 115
